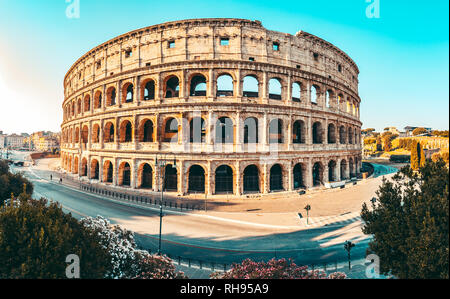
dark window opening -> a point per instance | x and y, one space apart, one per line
224 41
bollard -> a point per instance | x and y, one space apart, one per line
179 260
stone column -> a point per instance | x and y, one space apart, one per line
264 85
238 141
211 84
238 190
290 177
180 177
288 91
237 86
133 174
137 90
308 174
266 178
209 180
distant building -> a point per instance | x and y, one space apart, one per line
409 130
44 141
15 141
2 140
393 130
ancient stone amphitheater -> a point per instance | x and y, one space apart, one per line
212 106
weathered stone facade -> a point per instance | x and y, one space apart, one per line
182 91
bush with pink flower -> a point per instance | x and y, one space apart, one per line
274 269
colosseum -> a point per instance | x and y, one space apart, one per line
212 106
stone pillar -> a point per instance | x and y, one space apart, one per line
288 91
133 174
337 173
264 87
209 180
266 178
264 131
237 86
238 190
181 177
325 173
309 174
289 133
211 84
137 90
100 170
290 177
308 130
238 141
116 133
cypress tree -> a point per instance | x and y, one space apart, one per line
422 156
414 155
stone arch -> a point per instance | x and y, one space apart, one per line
172 87
197 130
350 135
224 179
329 98
79 106
251 179
276 178
332 171
251 130
276 131
111 96
275 89
342 135
148 89
224 130
85 134
331 136
198 86
171 130
317 174
108 171
77 135
98 99
83 170
296 92
225 85
299 176
94 173
250 86
343 169
145 176
146 131
170 178
95 133
299 132
87 103
317 137
124 174
196 179
108 132
315 92
128 93
126 131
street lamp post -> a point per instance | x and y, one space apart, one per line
161 163
307 208
348 247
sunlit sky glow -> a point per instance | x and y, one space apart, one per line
402 56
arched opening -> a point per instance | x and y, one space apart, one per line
331 134
94 170
332 171
296 92
198 86
317 173
298 176
342 135
343 170
197 130
108 172
149 90
250 130
224 130
124 174
78 106
350 136
171 131
251 87
225 86
170 178
145 133
317 133
276 178
77 135
111 96
75 165
126 131
276 131
98 100
83 171
275 89
328 97
128 95
87 103
224 179
146 176
96 134
298 132
108 134
314 94
251 179
85 135
196 179
172 89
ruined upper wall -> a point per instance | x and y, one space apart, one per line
200 39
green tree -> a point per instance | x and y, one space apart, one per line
12 183
419 131
37 236
409 222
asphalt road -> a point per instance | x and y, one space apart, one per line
202 238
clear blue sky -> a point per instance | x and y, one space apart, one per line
402 56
